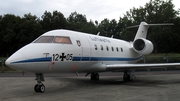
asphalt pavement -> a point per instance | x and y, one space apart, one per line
148 86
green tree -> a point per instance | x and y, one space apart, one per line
1 34
136 15
124 33
78 22
159 11
56 20
104 27
155 11
9 30
16 32
108 28
30 29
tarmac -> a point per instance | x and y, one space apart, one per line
148 86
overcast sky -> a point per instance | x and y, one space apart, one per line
93 9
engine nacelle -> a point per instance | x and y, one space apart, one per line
143 46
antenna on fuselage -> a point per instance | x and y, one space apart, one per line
98 33
112 36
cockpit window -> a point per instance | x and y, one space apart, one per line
62 39
45 39
56 39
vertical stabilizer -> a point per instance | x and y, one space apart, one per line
142 31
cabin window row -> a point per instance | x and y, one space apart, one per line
107 48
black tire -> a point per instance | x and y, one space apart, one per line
42 88
96 76
92 76
126 77
36 88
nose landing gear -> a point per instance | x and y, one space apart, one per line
39 88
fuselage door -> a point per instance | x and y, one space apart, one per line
85 47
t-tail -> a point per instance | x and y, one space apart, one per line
140 44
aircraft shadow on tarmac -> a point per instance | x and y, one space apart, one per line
117 81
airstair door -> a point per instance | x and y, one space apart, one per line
85 46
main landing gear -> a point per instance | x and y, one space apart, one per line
39 87
95 76
128 76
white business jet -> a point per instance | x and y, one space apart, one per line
63 51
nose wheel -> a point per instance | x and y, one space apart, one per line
39 88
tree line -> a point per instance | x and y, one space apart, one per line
16 31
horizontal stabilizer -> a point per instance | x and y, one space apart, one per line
163 24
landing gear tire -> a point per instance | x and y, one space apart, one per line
39 88
95 76
128 76
42 88
36 88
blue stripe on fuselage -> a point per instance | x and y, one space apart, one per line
103 59
35 60
48 59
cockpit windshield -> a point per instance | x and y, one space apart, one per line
54 39
45 39
62 39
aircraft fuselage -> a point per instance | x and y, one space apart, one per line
71 51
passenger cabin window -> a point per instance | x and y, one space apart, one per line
101 47
117 49
112 48
45 39
95 47
121 49
107 48
62 39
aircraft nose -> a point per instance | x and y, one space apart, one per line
7 62
13 59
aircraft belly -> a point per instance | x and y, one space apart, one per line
76 67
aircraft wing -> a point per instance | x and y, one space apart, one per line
139 66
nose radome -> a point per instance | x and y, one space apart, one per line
7 62
13 59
